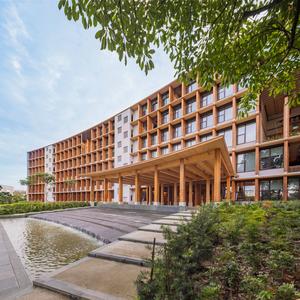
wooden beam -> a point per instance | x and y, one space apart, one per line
182 201
217 176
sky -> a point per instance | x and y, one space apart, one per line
55 81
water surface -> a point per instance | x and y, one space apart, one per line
44 247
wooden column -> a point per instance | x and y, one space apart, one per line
182 201
233 190
137 189
217 176
150 194
190 193
169 195
197 193
105 192
285 188
162 194
175 194
257 190
228 196
207 192
120 189
156 187
92 194
286 134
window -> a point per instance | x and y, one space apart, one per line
176 147
119 118
119 144
224 92
190 106
125 119
153 105
192 86
205 137
271 158
144 109
271 189
245 162
125 134
119 129
165 99
227 136
177 111
144 142
165 117
293 188
177 131
119 158
190 142
206 121
246 133
245 191
205 99
164 135
125 149
190 126
239 109
224 114
153 139
164 150
143 156
153 153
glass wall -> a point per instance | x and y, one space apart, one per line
271 189
245 191
271 158
294 188
245 162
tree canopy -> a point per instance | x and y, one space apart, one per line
256 43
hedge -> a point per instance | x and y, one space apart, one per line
33 206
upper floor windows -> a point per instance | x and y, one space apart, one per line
245 162
177 111
192 86
190 142
224 92
246 133
144 142
164 135
206 120
271 158
143 156
206 99
177 132
119 129
165 117
154 153
165 99
224 113
125 149
154 105
205 137
144 109
164 150
153 139
176 147
125 134
227 133
119 118
190 106
125 119
119 144
190 126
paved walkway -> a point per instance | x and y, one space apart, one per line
105 224
110 271
13 277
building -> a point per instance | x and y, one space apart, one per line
264 150
7 189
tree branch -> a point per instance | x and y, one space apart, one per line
257 11
295 23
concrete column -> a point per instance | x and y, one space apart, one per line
120 189
207 191
190 194
217 176
137 189
228 196
182 201
156 187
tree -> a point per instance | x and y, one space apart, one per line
256 43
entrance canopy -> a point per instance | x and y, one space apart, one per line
204 161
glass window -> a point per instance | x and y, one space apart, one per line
294 188
206 99
206 120
153 105
205 137
164 135
144 109
245 162
190 106
119 118
271 189
125 134
224 114
245 191
192 86
125 149
246 133
190 126
153 153
119 144
164 150
144 142
177 111
227 136
119 158
165 99
143 156
177 131
176 147
119 129
190 142
125 119
165 117
224 92
153 139
271 158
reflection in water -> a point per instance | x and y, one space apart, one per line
44 246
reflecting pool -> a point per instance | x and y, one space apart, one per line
44 247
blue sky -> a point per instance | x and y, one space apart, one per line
55 81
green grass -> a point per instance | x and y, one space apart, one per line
33 206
